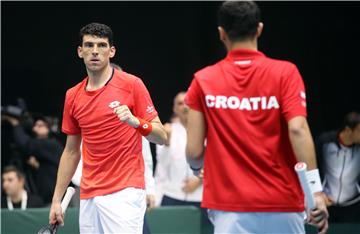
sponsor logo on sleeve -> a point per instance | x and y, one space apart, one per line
150 109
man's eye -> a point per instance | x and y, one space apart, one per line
103 45
88 45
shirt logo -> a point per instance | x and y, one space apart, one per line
114 104
145 126
246 103
150 109
303 96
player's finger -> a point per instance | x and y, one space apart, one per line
324 229
60 218
124 117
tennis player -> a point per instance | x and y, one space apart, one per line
251 110
109 111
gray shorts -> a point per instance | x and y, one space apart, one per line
257 222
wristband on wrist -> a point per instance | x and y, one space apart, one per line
196 171
314 181
145 127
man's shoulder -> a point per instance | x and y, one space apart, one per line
124 80
71 92
208 71
279 64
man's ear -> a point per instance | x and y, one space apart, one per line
79 51
112 51
222 34
259 29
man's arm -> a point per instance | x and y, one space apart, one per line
303 146
196 130
302 142
157 134
68 163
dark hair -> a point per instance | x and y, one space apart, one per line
12 168
98 30
239 19
351 120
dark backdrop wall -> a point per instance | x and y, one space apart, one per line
164 43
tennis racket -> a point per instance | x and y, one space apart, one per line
52 228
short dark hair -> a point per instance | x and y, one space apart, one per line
12 168
98 30
351 120
239 19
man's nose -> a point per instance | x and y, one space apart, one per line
95 50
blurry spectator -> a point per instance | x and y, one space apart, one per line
44 153
339 164
173 176
13 183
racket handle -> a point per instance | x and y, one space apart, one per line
68 195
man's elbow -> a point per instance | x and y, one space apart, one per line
297 127
194 152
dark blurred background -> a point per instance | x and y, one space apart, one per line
164 43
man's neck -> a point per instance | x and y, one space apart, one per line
16 198
249 45
99 78
345 139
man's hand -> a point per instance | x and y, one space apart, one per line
191 184
125 115
56 214
167 128
13 121
33 162
319 216
150 201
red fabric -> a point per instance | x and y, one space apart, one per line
112 150
247 100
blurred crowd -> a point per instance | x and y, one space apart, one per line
31 152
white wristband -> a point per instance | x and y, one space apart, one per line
313 179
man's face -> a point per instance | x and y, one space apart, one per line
355 134
12 184
41 129
96 52
179 108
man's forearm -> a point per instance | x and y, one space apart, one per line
302 144
158 134
66 170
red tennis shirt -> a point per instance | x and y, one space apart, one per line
247 100
112 150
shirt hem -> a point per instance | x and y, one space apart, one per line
252 209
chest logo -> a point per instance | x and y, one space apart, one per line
114 104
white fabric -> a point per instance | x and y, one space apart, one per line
24 198
172 168
149 179
120 212
313 178
257 222
148 160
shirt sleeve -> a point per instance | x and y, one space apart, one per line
293 95
194 96
70 125
143 105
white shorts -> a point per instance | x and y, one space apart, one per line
257 222
119 212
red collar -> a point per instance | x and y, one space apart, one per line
244 54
